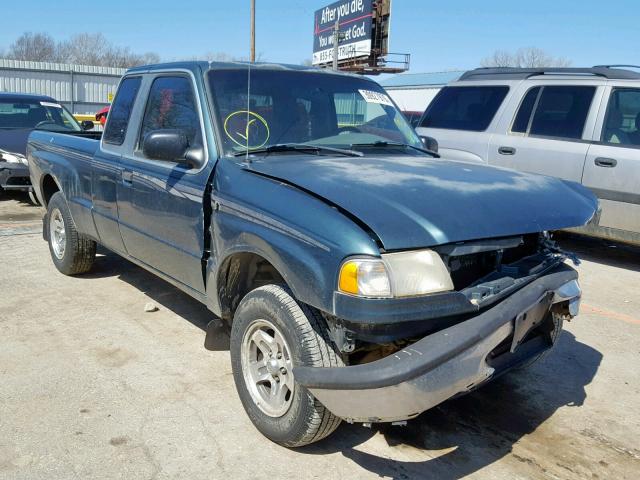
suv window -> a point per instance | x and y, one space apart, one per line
622 125
171 105
464 108
120 111
521 123
562 111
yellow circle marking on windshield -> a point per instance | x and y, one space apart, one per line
252 121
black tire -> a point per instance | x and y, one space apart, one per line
305 331
552 336
79 251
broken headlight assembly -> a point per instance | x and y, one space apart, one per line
401 274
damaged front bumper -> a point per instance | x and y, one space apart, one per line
449 362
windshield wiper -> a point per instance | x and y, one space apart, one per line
395 144
300 147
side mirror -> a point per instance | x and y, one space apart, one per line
430 143
170 146
87 125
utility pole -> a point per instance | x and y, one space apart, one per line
253 30
336 44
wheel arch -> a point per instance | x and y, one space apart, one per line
240 272
48 186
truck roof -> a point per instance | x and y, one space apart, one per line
17 97
204 66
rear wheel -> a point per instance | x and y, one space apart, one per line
71 252
271 333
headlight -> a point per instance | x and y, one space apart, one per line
11 157
401 274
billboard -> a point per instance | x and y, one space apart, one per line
355 25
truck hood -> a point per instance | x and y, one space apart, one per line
413 202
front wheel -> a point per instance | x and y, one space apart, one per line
72 253
271 333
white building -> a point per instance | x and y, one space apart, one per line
82 89
414 91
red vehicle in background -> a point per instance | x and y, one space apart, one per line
101 116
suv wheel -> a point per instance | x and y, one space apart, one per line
271 333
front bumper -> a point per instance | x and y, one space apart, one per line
14 176
447 363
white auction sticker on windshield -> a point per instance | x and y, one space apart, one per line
375 97
49 104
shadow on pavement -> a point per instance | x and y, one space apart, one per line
605 252
108 264
16 207
474 431
480 428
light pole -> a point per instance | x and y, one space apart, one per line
253 30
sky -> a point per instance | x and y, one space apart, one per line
440 35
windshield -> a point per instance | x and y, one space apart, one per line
303 107
29 114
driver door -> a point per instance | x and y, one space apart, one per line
160 203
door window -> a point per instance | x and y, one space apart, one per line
562 111
521 122
464 108
622 124
120 111
171 106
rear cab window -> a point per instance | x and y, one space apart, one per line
120 111
465 108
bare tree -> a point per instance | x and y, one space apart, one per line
530 57
500 58
83 49
225 57
95 49
37 47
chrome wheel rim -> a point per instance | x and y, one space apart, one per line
57 233
267 368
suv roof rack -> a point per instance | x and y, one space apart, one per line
512 73
617 66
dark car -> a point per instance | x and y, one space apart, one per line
359 275
20 114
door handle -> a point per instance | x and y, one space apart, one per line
127 177
506 151
606 162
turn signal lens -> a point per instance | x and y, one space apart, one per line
365 277
349 278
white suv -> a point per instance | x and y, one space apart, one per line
580 124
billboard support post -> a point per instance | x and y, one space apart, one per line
336 44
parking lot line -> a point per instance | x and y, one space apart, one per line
609 314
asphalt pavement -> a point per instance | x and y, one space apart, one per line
94 387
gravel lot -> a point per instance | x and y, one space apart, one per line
93 387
